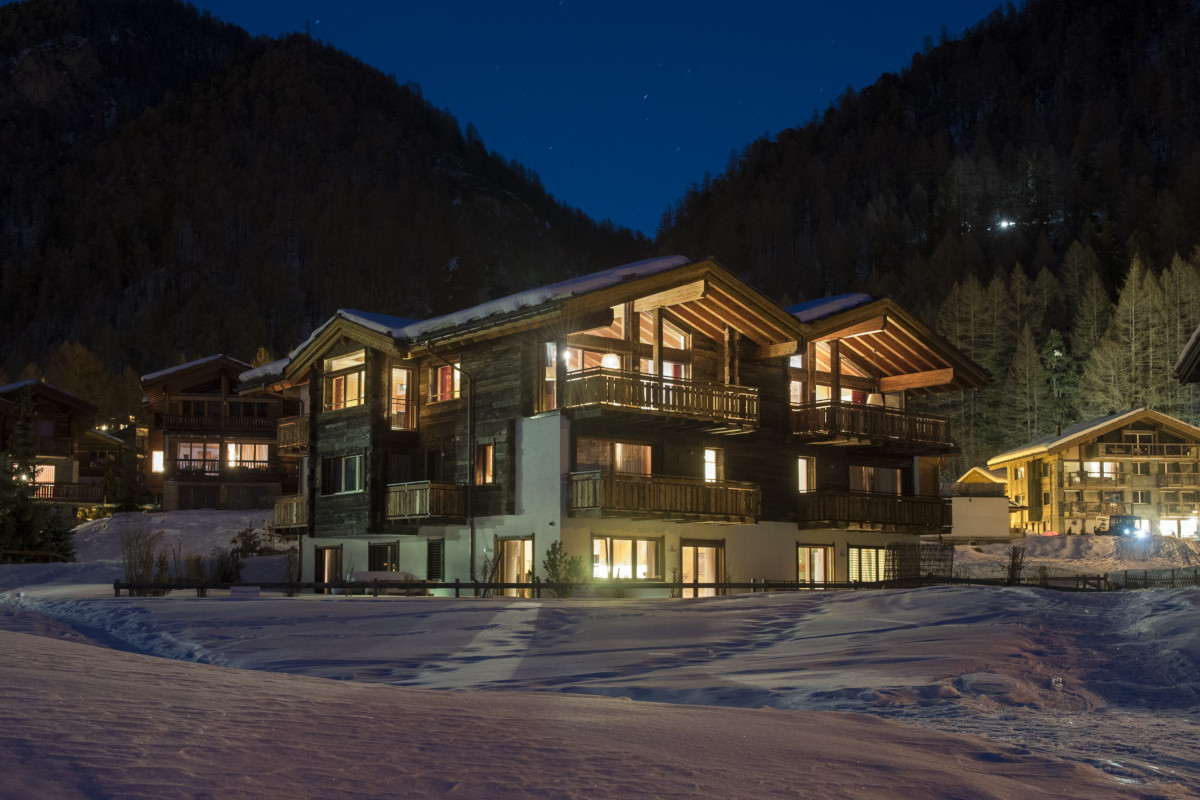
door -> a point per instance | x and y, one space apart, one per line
814 564
703 562
516 564
327 565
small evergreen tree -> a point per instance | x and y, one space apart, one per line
58 536
20 517
562 569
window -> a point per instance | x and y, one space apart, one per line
806 469
247 456
342 474
100 459
1140 468
484 465
714 465
43 473
383 557
200 408
882 480
1141 497
1045 498
344 380
796 392
401 409
245 408
156 461
866 564
814 564
1114 497
626 558
610 456
435 560
446 380
198 457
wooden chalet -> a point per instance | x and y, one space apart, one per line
61 419
1139 463
662 419
208 446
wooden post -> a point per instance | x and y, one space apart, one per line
457 588
116 587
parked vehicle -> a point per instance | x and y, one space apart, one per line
1125 525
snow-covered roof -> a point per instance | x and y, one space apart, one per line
153 376
264 372
402 329
813 310
29 383
1056 440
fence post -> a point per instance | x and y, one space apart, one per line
537 587
116 587
457 587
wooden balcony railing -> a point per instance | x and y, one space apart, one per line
55 446
1191 479
1178 509
423 499
206 422
855 420
292 435
676 397
291 511
1129 449
659 496
69 492
403 415
1083 478
1080 508
193 469
816 509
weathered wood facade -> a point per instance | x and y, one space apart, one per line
627 415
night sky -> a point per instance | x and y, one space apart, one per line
620 106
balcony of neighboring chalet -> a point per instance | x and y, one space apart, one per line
291 514
637 397
420 500
1095 478
636 496
206 423
1187 480
55 446
291 436
72 493
1080 508
870 424
875 511
217 469
1136 449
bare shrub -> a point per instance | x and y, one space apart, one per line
138 546
1016 564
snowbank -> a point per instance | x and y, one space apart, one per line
1079 555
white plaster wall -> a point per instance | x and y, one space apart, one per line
980 518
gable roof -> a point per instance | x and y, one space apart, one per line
982 475
229 361
49 390
1089 429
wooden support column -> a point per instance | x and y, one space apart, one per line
633 325
810 373
560 374
733 356
835 368
657 346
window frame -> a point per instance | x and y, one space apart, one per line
435 382
353 375
485 464
653 571
328 470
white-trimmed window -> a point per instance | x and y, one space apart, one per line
714 465
345 377
806 473
445 383
342 474
614 557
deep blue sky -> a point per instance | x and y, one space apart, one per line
620 106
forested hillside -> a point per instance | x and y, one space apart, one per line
171 188
1031 189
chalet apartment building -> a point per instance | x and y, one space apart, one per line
1139 463
663 420
208 446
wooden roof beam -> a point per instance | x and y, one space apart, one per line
874 325
696 290
917 380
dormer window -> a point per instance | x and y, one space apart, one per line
344 379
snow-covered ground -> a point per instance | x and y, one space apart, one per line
944 692
1079 555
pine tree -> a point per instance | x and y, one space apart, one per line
1025 390
20 516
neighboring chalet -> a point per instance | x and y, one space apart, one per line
980 506
210 447
61 419
1137 463
663 420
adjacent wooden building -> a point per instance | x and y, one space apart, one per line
663 420
1135 463
62 420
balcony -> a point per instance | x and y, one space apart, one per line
1130 449
661 497
203 423
69 492
1185 479
1080 508
55 446
1082 478
291 511
291 436
869 510
676 398
1178 509
855 422
214 469
423 500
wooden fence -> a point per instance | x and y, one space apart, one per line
1156 578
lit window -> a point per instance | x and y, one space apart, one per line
342 474
344 380
805 468
714 464
401 410
484 473
445 383
247 456
625 558
866 564
156 461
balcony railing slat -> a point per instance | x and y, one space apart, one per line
69 492
292 433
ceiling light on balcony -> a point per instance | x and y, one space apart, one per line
611 361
